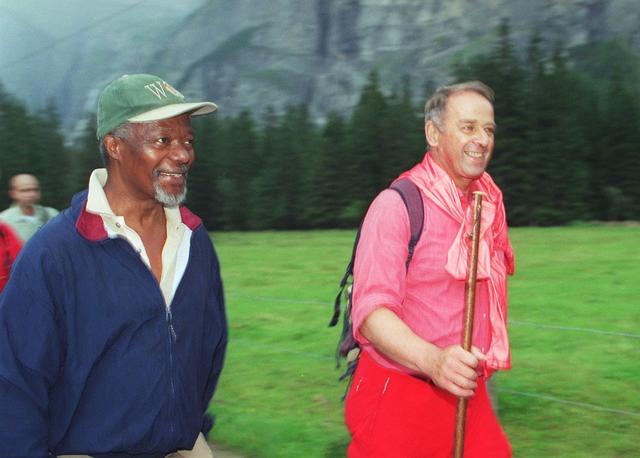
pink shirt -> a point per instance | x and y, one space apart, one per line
426 297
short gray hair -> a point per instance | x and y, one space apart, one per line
436 106
122 131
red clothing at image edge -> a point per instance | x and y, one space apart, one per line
10 246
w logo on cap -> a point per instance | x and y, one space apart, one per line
159 89
127 100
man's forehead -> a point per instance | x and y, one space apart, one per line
470 106
24 181
484 122
177 122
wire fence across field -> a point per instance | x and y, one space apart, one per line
271 348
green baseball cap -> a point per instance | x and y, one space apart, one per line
143 98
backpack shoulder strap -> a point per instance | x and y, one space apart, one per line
412 200
415 208
343 283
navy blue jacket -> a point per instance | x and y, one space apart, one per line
91 362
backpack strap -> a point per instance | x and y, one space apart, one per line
412 200
415 208
345 279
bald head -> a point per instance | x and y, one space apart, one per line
24 190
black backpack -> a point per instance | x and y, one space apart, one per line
348 348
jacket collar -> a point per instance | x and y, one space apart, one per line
90 226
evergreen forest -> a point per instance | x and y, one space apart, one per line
567 145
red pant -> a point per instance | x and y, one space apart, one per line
390 414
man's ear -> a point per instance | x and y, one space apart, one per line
112 147
432 133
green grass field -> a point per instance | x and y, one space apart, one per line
574 322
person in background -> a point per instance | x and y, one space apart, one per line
408 320
10 246
25 216
112 326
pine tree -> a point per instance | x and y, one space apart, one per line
265 187
367 149
237 169
621 162
406 142
560 170
16 132
204 197
298 143
329 181
84 157
51 161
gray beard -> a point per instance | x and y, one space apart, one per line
169 200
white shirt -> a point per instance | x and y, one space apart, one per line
175 252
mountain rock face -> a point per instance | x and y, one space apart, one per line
249 54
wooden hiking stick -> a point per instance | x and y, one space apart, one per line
467 332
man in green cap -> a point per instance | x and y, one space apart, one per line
112 326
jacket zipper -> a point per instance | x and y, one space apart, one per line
172 336
172 339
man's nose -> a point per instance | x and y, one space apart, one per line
483 138
181 152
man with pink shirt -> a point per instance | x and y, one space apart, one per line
408 321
